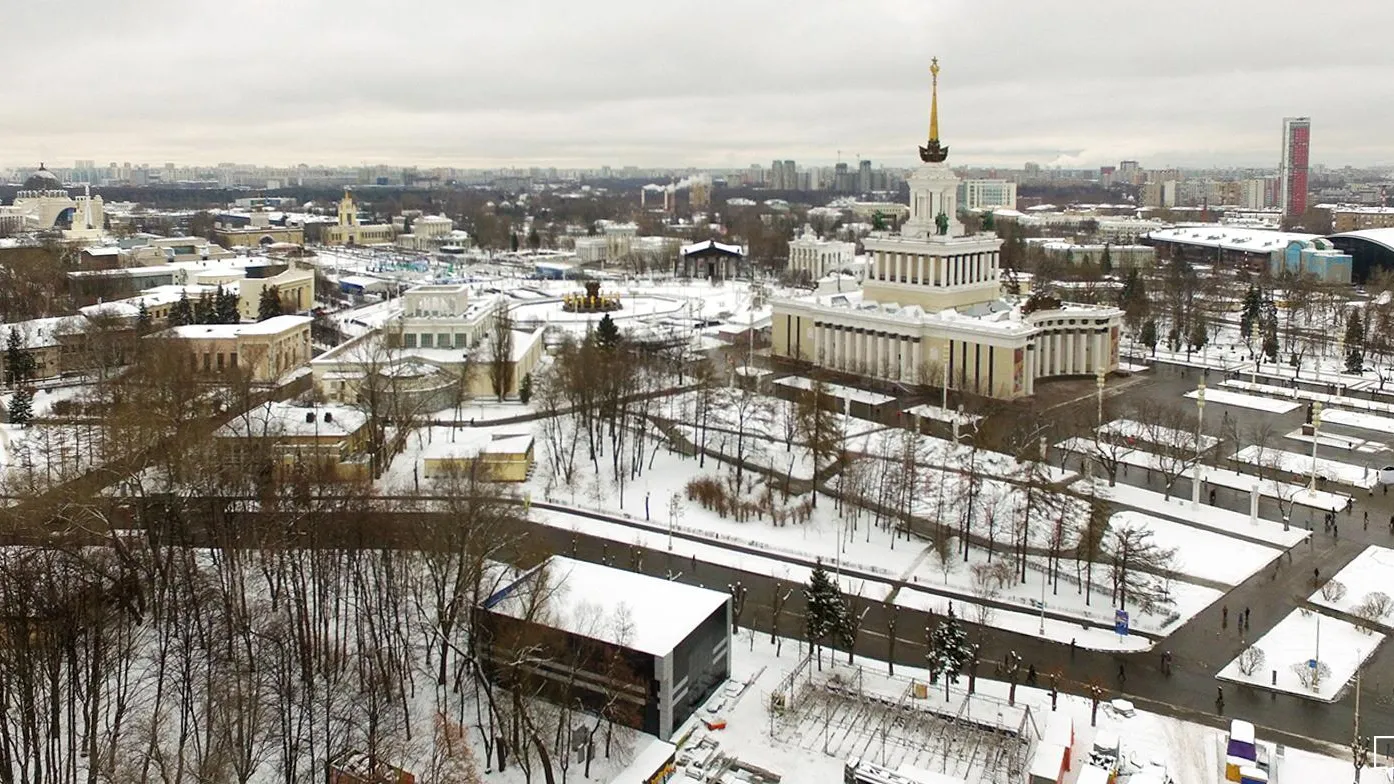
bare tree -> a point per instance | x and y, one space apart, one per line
501 366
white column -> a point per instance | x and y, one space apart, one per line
924 266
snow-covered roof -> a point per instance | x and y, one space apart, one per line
624 608
277 419
1230 238
270 326
467 443
1383 237
698 247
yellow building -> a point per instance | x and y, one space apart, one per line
264 350
501 457
329 441
931 310
258 236
352 232
295 287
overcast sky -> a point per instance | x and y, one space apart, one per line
680 82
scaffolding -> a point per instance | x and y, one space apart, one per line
895 722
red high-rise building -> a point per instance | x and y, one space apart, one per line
1292 170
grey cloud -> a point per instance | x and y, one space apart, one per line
720 83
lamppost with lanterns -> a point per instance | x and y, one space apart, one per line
1316 434
1200 417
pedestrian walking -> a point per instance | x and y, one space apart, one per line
1246 617
1220 698
1031 675
1072 649
1122 672
1335 532
1212 496
1224 617
1367 520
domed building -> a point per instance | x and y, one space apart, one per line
43 204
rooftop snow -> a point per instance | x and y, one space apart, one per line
282 419
1229 238
588 600
270 326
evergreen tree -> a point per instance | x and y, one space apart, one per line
825 615
1270 338
1253 304
19 364
534 240
225 307
142 319
203 309
1133 299
989 221
525 388
1173 339
513 242
1355 343
949 650
1106 261
1149 335
607 333
269 306
182 314
22 405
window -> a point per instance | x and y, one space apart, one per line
232 359
443 340
427 340
409 339
461 340
220 360
206 362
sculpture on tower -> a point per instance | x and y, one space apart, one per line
941 223
933 151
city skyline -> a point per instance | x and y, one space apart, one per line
681 86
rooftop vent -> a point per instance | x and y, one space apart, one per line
328 416
309 417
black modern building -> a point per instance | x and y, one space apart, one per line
644 652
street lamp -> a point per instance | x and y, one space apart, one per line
1200 416
1099 379
1316 431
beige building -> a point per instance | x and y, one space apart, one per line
433 352
1355 218
351 232
296 288
265 350
931 310
283 438
501 457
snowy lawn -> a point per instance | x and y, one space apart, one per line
1357 419
1289 646
1225 398
1222 477
938 414
1204 515
481 411
1359 476
1362 587
1199 553
1326 399
1334 441
1148 434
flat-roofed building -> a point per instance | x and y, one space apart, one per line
264 350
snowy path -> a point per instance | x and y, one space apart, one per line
1214 518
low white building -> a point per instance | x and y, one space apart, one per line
816 258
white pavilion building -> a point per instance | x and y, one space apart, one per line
931 310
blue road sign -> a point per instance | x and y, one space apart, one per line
1120 622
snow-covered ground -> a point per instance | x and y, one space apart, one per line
1365 581
1293 643
1147 434
1199 553
811 740
1202 515
1226 398
1359 476
1326 399
1337 442
1222 477
939 414
1358 419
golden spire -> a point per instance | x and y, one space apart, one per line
933 151
934 99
